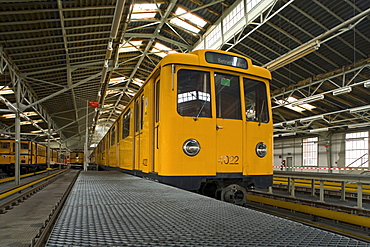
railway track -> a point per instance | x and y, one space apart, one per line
348 221
14 195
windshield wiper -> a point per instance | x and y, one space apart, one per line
201 109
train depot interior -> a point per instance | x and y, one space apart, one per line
84 84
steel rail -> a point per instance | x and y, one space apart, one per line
8 179
347 216
313 222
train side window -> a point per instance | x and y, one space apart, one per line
157 88
4 145
137 121
24 145
228 104
126 125
193 93
256 101
141 112
118 130
113 136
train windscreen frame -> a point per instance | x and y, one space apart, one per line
256 104
193 93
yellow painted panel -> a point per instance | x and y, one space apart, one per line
229 146
256 133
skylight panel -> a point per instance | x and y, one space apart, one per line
130 46
191 17
6 90
12 115
117 80
185 25
138 82
162 50
136 16
33 121
300 108
144 7
144 11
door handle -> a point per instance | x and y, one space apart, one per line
219 127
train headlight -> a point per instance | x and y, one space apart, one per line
261 149
191 147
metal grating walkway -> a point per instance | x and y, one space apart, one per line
115 209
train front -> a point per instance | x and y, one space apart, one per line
217 130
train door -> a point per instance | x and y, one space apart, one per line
229 124
138 122
156 125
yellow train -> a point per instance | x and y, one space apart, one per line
76 159
32 156
201 122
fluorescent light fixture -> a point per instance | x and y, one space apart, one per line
278 125
302 107
319 130
353 126
289 134
117 18
360 109
308 100
342 90
293 55
290 122
367 84
313 118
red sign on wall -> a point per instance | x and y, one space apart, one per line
94 103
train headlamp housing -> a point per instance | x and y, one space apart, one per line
191 147
261 149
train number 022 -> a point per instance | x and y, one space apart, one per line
229 160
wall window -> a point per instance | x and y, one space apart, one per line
310 151
357 147
235 15
251 4
213 36
193 93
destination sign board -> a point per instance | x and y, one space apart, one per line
224 59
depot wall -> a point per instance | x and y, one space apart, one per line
331 151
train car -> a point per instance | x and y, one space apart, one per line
201 122
54 158
76 160
32 156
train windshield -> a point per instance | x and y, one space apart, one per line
227 96
255 101
193 93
